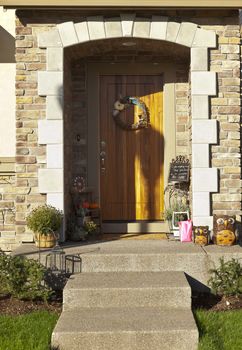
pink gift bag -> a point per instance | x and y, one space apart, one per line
185 231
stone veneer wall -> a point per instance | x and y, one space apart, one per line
226 109
8 239
183 115
68 130
30 107
79 120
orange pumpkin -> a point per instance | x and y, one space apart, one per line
93 205
86 205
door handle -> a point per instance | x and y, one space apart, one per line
102 158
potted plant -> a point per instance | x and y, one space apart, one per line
89 227
45 221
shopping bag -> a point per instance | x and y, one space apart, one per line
185 231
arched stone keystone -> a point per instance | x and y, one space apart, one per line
82 32
158 27
96 27
141 28
186 34
127 21
67 33
172 31
113 28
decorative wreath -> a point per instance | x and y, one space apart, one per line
122 104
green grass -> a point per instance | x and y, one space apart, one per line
219 330
27 332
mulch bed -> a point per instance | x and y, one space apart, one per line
212 302
12 306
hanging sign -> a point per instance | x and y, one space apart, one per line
179 170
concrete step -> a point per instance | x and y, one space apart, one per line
154 289
126 328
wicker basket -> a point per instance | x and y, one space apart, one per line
45 240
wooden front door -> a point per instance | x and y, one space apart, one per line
131 175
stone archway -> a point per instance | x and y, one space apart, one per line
203 85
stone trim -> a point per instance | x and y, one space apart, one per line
203 85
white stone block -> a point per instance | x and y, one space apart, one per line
172 31
204 83
50 83
158 27
50 132
186 34
55 59
203 221
49 39
200 155
96 27
82 31
204 38
113 28
204 180
201 204
204 131
199 59
54 156
56 200
50 180
67 33
127 21
54 107
200 107
141 28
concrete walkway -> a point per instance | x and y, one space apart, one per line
133 295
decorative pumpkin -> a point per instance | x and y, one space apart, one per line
93 205
201 235
86 205
224 230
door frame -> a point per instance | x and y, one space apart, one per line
94 70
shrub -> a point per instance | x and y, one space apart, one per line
90 226
44 219
227 278
23 278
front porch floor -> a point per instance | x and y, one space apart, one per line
144 255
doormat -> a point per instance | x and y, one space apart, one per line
131 236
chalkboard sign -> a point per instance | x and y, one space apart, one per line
179 170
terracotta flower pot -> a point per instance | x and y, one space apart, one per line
45 240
